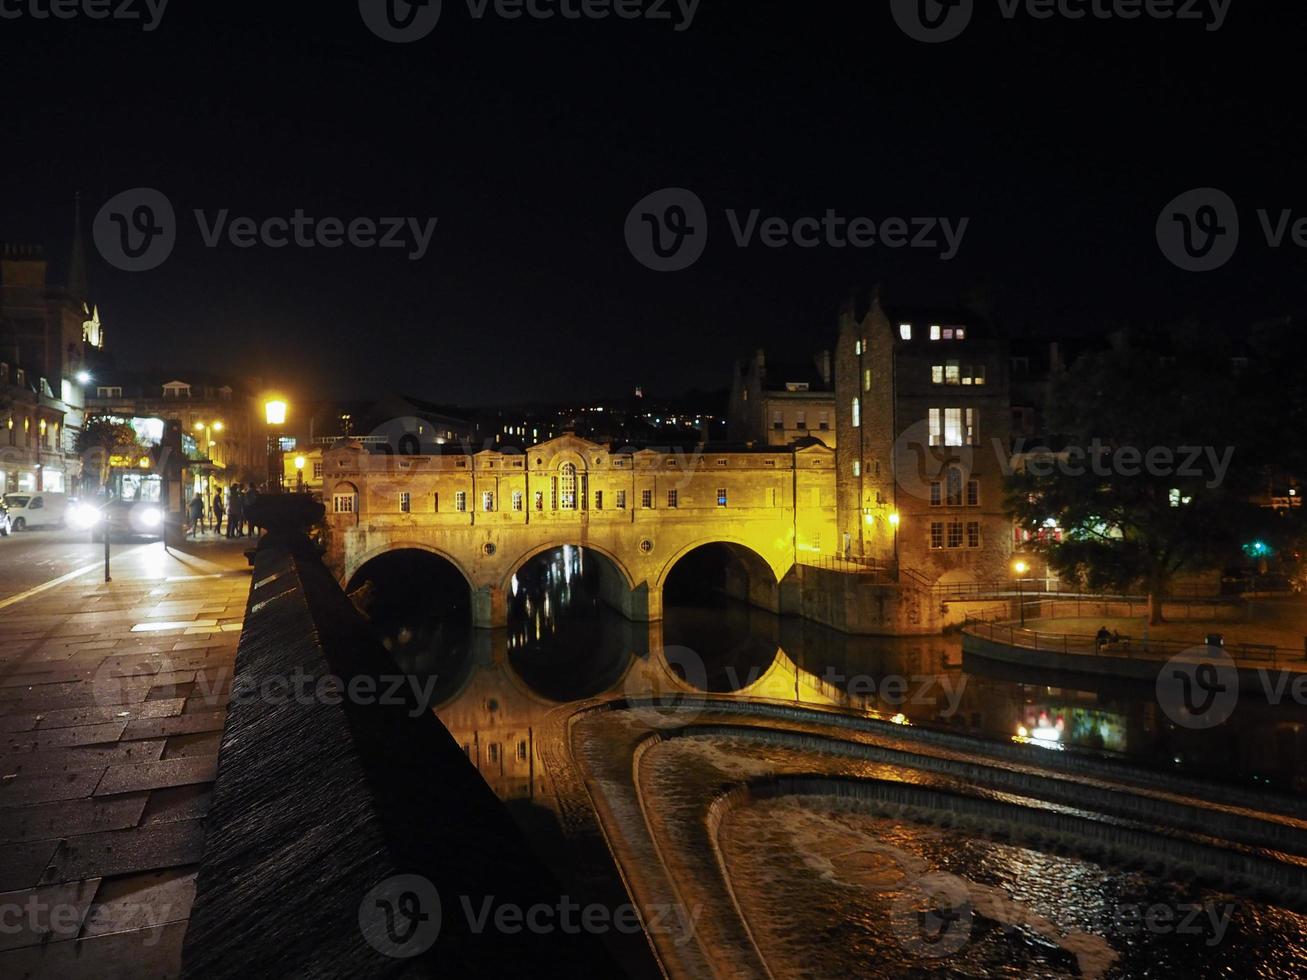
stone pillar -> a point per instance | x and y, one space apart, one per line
791 592
489 608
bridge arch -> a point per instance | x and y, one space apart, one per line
617 587
356 566
746 574
611 559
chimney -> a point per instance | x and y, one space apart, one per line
824 367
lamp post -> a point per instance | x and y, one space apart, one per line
894 523
274 413
299 474
1020 568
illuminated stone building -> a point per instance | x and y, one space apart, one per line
224 419
923 442
778 404
639 511
49 334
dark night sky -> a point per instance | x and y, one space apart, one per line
531 141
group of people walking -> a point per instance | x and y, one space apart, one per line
235 508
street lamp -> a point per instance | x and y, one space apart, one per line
894 523
1020 568
299 474
274 413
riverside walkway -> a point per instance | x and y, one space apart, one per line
1076 651
112 703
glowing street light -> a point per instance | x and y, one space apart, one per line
274 410
299 474
83 378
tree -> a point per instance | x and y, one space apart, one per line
102 438
1145 478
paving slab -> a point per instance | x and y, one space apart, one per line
108 742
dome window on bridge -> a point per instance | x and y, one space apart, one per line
567 486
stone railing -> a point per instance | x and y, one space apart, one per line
326 795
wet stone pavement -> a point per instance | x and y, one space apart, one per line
112 702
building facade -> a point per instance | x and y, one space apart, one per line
642 510
923 443
49 337
221 418
779 404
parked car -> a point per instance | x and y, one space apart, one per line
5 525
28 510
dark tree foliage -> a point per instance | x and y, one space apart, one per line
101 439
1152 476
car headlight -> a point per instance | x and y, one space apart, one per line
150 516
84 516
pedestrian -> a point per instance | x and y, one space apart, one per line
251 495
1101 638
218 511
235 512
197 514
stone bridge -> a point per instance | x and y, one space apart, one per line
639 511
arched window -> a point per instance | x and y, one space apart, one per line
953 487
567 486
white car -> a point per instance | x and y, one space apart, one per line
28 510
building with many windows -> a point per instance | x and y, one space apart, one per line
779 404
50 333
222 417
923 442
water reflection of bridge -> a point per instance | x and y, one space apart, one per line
495 698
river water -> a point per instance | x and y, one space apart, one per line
1029 913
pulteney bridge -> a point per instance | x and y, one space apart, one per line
639 512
